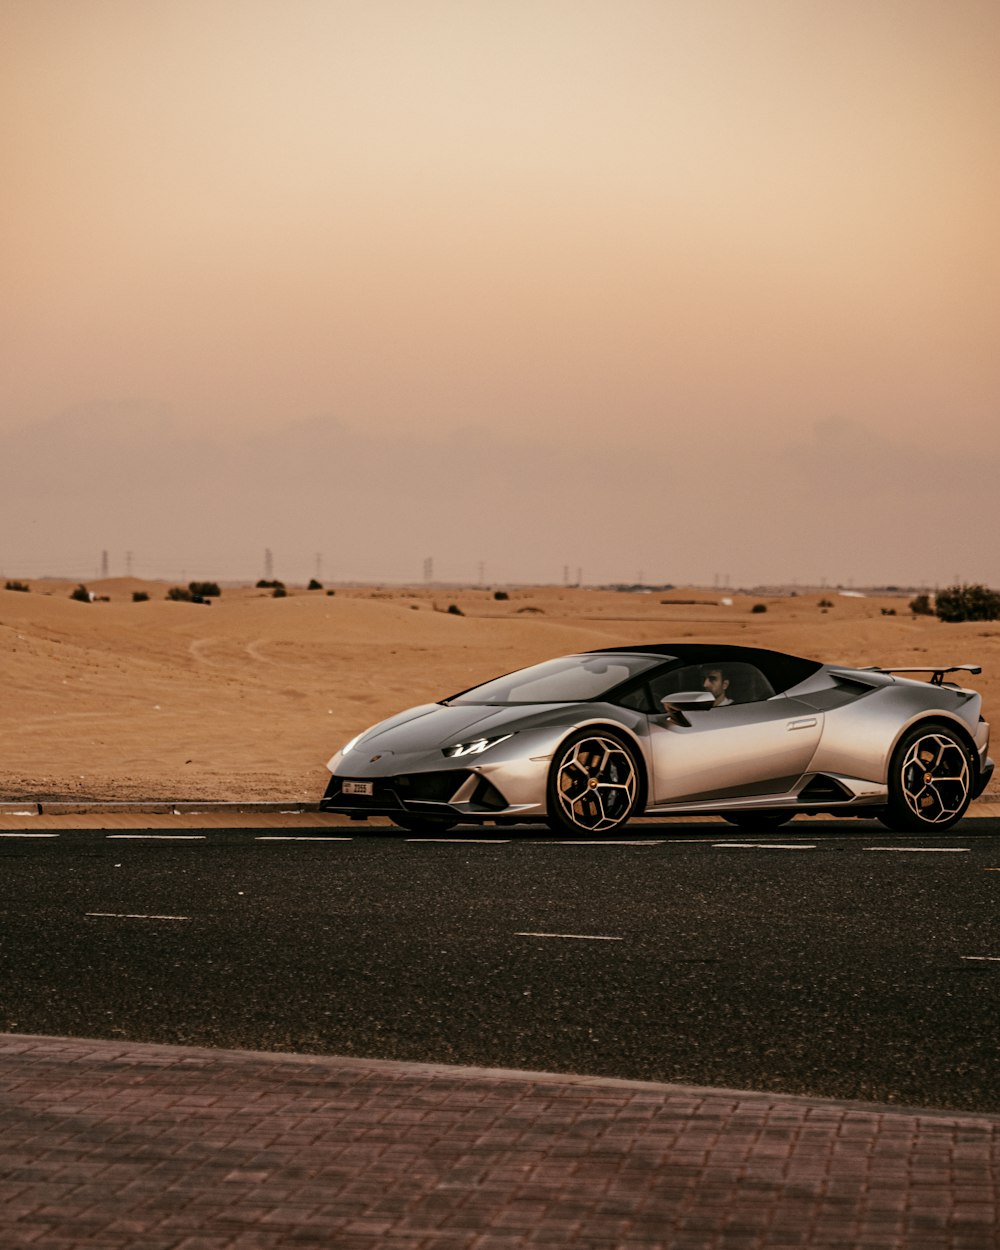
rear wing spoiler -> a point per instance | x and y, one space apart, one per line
937 674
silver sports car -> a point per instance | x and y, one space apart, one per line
585 742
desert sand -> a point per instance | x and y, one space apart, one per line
246 699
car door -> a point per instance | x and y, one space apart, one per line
730 752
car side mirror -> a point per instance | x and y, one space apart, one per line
689 700
675 705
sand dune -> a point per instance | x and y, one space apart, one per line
248 697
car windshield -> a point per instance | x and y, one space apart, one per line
571 679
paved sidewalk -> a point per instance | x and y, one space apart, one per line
114 1145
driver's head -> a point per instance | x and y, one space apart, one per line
715 681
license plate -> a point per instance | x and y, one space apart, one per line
359 787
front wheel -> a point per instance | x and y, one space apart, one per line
931 778
594 783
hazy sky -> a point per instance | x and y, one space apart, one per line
685 288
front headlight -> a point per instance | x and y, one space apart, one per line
475 747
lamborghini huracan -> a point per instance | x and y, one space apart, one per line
585 742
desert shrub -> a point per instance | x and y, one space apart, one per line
275 585
314 584
139 596
17 586
888 611
330 593
759 607
204 590
180 594
921 606
455 610
279 592
81 594
500 594
825 603
968 603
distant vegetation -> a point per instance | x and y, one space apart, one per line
279 592
455 610
194 592
759 607
139 596
17 586
922 606
500 594
825 603
81 594
314 584
273 585
967 603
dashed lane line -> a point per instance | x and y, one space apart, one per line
29 835
298 837
990 959
118 915
763 846
574 937
465 841
157 837
920 850
595 842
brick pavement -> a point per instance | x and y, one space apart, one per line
111 1145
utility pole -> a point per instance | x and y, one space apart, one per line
268 565
482 572
429 569
104 564
128 564
319 566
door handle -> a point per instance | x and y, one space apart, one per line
806 723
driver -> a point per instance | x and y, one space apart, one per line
715 681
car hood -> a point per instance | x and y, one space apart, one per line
440 725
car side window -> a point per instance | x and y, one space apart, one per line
747 684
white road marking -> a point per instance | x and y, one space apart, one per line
466 841
159 837
595 842
117 915
576 937
763 846
29 835
298 837
990 959
920 850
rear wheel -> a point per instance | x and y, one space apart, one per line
594 783
759 821
931 777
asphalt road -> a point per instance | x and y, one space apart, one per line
832 958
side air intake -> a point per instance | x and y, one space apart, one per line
823 789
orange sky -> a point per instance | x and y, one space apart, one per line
682 288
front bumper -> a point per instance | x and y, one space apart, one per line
985 773
455 792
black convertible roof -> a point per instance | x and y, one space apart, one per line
782 671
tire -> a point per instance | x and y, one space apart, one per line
423 824
932 775
759 822
594 785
